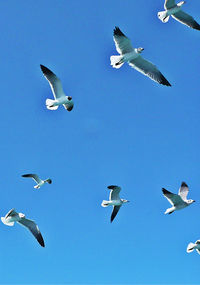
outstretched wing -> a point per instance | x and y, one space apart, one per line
169 4
34 176
33 228
183 191
11 213
186 19
114 212
114 193
122 43
173 199
148 69
54 81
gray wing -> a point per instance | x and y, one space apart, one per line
54 81
114 212
173 199
122 43
33 228
148 69
34 176
198 241
183 191
169 4
186 19
11 213
114 193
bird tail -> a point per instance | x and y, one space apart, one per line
190 247
169 211
6 223
163 16
116 61
105 203
49 104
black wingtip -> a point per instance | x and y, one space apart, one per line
112 186
165 191
40 240
196 26
183 184
45 70
164 81
118 32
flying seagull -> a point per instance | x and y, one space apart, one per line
114 200
58 93
134 59
178 201
192 246
37 179
174 10
12 216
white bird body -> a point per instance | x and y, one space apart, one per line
192 246
12 216
133 57
175 10
114 200
37 179
178 201
59 96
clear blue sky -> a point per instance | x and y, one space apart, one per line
124 129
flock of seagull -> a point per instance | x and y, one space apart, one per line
133 57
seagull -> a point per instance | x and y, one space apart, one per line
58 93
37 179
114 200
178 201
12 216
192 246
134 59
174 10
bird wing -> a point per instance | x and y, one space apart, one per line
169 4
198 241
183 191
114 212
33 228
54 81
34 176
11 213
186 19
114 193
122 43
148 69
173 199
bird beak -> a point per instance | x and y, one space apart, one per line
194 201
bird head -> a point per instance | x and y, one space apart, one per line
69 98
125 201
140 49
190 201
21 215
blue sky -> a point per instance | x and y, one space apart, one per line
124 129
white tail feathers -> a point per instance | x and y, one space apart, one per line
115 61
191 247
6 223
163 16
49 104
105 203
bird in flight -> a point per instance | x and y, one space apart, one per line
178 201
114 200
133 57
58 93
12 216
37 179
175 10
191 246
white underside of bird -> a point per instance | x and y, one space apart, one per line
192 246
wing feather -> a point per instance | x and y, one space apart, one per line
186 19
114 193
173 199
148 69
122 43
114 212
54 81
34 176
183 191
169 4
